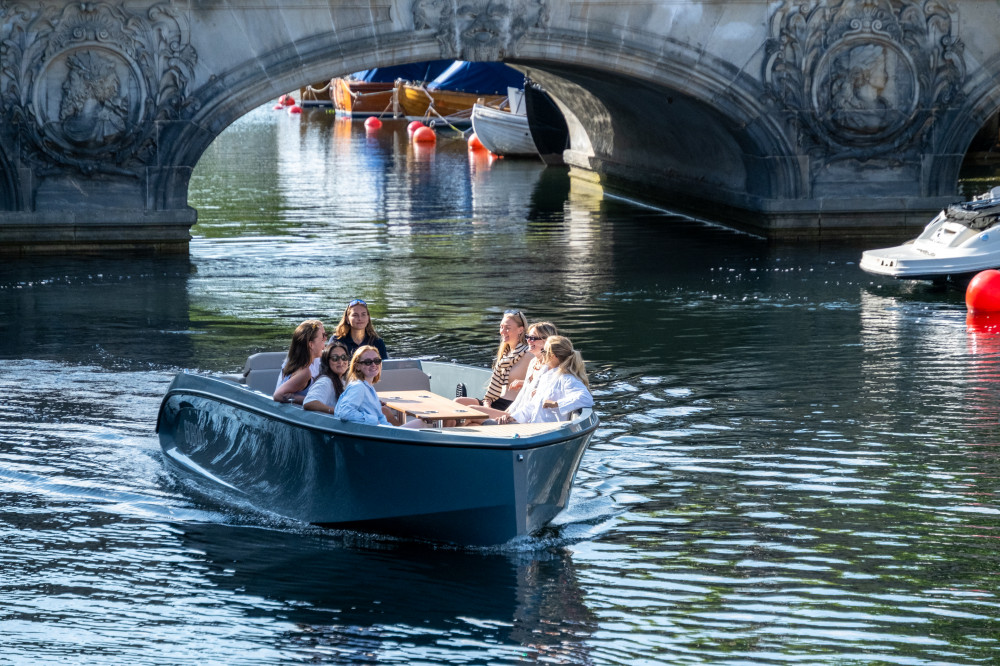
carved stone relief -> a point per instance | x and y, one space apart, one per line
482 30
863 76
82 84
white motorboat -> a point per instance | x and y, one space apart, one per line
504 131
960 241
478 485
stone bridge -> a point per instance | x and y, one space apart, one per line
794 118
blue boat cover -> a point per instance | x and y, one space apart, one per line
480 78
414 71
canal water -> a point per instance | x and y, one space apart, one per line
797 462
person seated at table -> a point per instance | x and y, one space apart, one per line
359 402
298 370
329 384
511 363
562 389
537 334
356 330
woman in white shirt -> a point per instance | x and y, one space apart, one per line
538 333
562 389
324 392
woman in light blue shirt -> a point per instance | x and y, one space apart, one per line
359 403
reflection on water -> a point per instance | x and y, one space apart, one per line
798 463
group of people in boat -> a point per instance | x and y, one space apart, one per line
537 374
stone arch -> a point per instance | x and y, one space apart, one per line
981 102
719 130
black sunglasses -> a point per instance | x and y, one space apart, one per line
342 357
533 338
371 361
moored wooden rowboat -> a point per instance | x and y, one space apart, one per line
478 485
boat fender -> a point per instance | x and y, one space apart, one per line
983 292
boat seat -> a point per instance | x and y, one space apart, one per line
403 375
261 371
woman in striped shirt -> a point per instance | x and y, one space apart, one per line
511 363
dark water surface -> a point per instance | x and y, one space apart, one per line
798 463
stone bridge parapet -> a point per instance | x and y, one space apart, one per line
792 118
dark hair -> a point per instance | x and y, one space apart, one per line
324 366
298 351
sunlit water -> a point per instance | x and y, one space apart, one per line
797 463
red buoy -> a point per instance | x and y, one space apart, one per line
424 135
287 100
983 292
413 127
372 123
295 108
475 143
279 107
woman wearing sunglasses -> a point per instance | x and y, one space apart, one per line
356 330
359 402
511 363
299 368
323 394
538 333
561 389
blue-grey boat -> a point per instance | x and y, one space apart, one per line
469 485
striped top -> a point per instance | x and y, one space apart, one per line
502 370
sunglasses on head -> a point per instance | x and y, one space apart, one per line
516 313
340 357
533 338
356 301
371 361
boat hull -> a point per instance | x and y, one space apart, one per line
361 98
502 132
414 483
419 103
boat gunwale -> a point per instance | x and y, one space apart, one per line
579 427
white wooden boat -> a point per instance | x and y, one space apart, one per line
962 240
505 131
480 485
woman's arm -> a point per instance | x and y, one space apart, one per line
568 395
321 396
297 381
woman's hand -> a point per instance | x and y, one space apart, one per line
505 418
516 385
550 404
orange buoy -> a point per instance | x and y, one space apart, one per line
424 135
475 143
372 123
414 126
295 108
983 292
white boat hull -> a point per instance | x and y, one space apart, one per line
947 248
502 132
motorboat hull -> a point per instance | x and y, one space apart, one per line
503 132
959 242
428 484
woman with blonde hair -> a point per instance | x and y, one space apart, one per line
511 363
562 389
359 403
299 368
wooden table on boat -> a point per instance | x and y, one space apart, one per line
428 406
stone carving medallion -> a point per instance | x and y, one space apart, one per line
863 76
83 84
479 30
